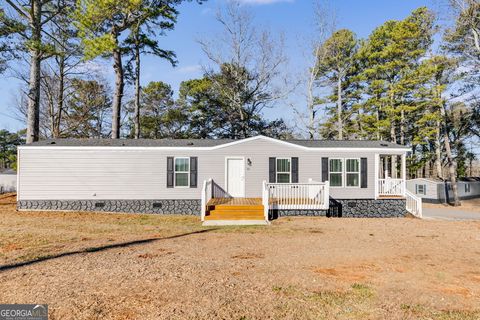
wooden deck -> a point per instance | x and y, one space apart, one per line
235 202
390 197
234 209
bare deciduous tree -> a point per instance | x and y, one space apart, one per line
324 21
251 62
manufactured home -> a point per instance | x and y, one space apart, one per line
440 191
249 181
8 181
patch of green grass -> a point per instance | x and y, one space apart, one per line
285 290
424 313
457 315
363 291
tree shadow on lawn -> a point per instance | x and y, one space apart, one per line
98 249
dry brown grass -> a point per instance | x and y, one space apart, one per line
123 266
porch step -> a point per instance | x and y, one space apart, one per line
222 214
235 207
235 223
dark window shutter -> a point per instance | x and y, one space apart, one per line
193 172
363 173
324 169
294 170
272 170
170 172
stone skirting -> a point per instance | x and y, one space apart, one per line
186 207
353 208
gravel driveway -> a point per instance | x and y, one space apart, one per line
450 214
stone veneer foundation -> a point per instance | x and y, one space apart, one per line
353 208
187 207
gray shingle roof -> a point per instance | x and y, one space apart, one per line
208 143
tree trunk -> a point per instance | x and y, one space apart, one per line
452 165
402 127
33 111
452 170
119 84
60 97
339 108
438 152
137 91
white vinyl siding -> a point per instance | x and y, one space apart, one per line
131 173
352 172
182 172
284 170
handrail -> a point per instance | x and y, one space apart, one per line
265 199
391 187
413 204
206 196
296 196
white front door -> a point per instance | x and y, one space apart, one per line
235 177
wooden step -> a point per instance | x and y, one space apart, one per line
235 207
224 218
235 214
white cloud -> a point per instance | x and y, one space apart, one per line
263 1
190 69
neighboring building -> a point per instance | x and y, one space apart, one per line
8 181
212 178
439 191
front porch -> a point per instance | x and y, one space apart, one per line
219 208
390 176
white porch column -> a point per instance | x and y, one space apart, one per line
377 173
404 172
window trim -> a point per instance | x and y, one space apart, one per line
358 172
341 172
424 186
283 172
175 173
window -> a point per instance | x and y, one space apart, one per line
467 188
353 172
336 172
283 170
182 172
421 189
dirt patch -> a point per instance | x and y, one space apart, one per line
350 273
126 266
248 255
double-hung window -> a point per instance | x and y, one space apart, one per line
336 172
352 171
421 189
182 172
284 171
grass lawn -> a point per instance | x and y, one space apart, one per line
124 266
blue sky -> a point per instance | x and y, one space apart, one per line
291 17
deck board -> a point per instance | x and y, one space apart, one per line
235 202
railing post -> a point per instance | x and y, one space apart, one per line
203 201
265 202
404 174
326 200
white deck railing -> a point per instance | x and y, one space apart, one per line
206 196
414 204
311 195
391 187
